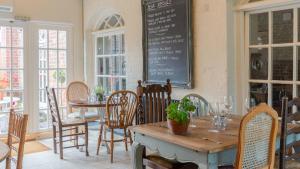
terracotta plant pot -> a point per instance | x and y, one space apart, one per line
178 128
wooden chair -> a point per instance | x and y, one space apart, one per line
287 160
65 127
257 139
201 104
120 111
16 135
152 102
79 91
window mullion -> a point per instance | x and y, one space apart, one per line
270 74
295 67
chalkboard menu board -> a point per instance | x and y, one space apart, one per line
167 42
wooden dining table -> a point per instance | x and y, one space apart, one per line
202 145
4 150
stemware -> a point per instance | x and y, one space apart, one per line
214 111
228 104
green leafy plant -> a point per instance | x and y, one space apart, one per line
179 112
99 90
60 76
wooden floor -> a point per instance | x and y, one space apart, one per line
77 160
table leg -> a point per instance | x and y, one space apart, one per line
213 161
137 155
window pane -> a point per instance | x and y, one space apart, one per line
5 36
3 123
43 102
123 83
52 58
4 79
100 46
258 93
62 78
100 66
5 58
4 102
283 63
43 62
17 37
43 78
298 63
18 100
52 78
259 63
283 26
43 119
17 80
61 97
62 54
107 66
279 90
52 39
43 38
17 58
108 45
259 29
62 39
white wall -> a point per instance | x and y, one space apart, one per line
211 37
65 11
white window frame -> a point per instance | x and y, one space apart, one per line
103 33
245 60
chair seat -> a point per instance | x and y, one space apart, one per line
87 115
73 122
157 161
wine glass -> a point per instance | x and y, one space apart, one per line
249 104
214 111
228 104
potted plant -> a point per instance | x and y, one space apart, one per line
99 91
178 116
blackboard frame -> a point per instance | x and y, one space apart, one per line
189 83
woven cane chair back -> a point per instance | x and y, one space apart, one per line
258 130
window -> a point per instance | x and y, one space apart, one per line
110 55
11 72
52 51
273 50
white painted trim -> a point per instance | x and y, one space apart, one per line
265 4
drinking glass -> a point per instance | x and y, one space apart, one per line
192 121
249 104
214 111
228 104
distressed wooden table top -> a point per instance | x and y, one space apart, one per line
200 138
4 150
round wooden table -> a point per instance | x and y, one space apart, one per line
77 104
4 150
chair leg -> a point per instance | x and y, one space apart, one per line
99 138
130 137
112 145
61 144
54 139
125 139
86 139
76 137
8 163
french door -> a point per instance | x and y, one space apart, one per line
33 56
11 71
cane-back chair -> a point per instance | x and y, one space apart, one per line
120 111
201 104
288 159
16 136
78 91
257 139
69 128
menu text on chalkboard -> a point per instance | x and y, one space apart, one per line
167 42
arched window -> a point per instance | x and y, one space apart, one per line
110 54
113 21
